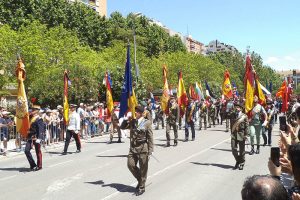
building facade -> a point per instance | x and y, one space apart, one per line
100 6
291 74
217 46
194 46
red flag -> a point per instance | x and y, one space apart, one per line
181 95
192 93
283 93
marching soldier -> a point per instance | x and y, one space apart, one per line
228 112
239 132
256 124
36 131
270 123
73 130
115 126
172 120
189 120
212 114
141 147
203 114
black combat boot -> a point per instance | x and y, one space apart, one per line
119 140
257 150
175 143
252 150
168 144
236 165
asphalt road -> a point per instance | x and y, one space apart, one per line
200 169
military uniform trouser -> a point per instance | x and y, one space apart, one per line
70 134
204 121
168 128
239 155
227 124
115 126
140 173
211 119
38 152
192 125
255 130
269 139
162 122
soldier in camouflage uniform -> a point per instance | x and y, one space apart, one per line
202 114
239 132
211 114
141 147
172 120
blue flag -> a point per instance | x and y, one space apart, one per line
208 90
128 100
152 101
235 91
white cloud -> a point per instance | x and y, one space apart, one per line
285 62
271 60
289 58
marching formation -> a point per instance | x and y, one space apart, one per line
252 115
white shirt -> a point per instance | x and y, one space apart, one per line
74 121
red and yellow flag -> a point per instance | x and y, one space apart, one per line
109 99
249 85
181 95
22 114
192 92
227 88
66 103
165 95
283 93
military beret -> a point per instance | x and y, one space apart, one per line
139 109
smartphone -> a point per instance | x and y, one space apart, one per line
275 155
282 123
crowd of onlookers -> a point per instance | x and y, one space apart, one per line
283 183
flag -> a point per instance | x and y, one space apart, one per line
249 82
128 100
181 95
227 88
109 99
200 86
265 90
234 89
198 91
67 82
271 87
22 114
208 91
259 92
152 101
283 92
165 95
192 93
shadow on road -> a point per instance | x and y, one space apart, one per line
20 169
118 186
113 156
229 150
96 182
214 164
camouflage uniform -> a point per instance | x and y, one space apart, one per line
203 115
172 119
239 132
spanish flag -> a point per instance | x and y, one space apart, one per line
109 99
165 95
66 104
227 88
181 95
249 82
22 115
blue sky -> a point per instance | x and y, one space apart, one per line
270 27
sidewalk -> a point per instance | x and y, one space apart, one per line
13 152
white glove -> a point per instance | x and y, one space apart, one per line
38 141
265 123
76 132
